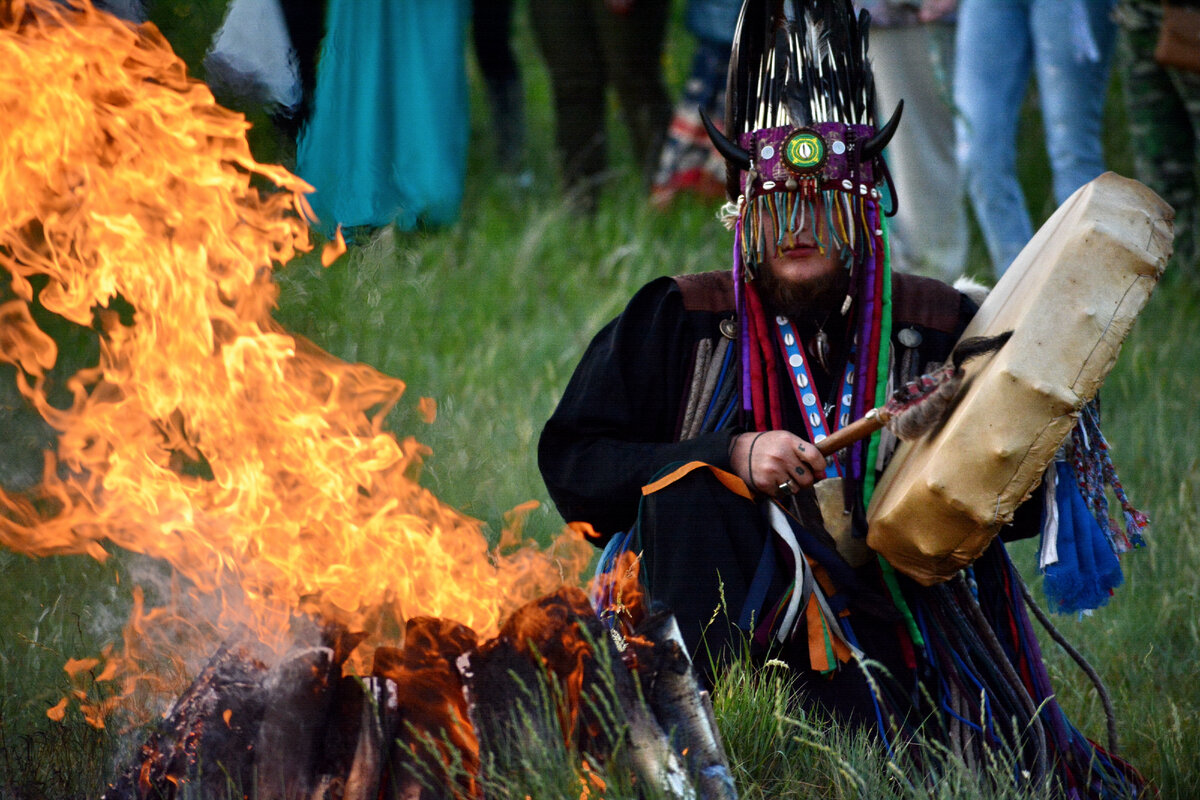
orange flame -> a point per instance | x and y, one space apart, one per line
204 436
334 250
590 781
58 710
427 408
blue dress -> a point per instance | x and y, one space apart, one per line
388 135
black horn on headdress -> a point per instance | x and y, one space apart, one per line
735 155
872 147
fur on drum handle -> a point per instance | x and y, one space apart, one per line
919 405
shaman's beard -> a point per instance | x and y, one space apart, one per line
809 302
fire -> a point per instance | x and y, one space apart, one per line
626 597
589 781
253 463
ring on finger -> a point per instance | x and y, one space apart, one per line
787 488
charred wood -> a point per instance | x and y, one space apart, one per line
362 724
380 718
595 700
433 752
441 717
510 707
204 737
299 693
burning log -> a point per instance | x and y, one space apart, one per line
363 720
509 705
682 706
433 749
440 715
205 737
243 724
595 699
299 693
378 724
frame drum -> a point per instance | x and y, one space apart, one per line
1070 298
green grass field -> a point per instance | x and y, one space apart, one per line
489 318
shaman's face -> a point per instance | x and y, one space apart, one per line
798 277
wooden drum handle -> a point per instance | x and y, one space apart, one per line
874 419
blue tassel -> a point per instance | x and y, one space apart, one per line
1087 570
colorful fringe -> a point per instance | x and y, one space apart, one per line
1089 456
993 691
853 224
1079 567
1080 540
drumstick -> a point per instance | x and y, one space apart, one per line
918 405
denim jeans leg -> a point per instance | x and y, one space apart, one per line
992 68
1073 45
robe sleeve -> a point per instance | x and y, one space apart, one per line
614 429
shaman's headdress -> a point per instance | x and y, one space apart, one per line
802 140
800 123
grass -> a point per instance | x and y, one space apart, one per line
488 318
782 749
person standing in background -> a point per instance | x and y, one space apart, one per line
589 45
688 162
912 50
1068 46
387 140
1163 104
305 20
491 38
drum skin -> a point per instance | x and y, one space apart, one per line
1070 298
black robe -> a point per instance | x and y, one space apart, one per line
617 428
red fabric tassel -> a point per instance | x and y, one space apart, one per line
767 348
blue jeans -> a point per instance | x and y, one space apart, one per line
1067 45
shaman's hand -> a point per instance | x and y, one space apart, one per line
775 463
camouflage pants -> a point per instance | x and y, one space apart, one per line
1164 118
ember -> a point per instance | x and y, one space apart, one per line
253 463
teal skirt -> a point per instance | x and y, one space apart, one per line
388 136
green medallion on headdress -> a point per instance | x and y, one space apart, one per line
804 151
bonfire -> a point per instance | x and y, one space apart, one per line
306 559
